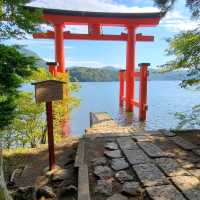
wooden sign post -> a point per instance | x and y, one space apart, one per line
48 91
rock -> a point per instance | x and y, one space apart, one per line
103 172
71 190
46 192
49 173
24 193
62 174
99 161
111 146
123 176
119 164
113 154
117 197
104 187
132 188
41 181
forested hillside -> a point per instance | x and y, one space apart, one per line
84 74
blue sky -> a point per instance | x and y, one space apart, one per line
99 53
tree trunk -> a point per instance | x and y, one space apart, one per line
4 194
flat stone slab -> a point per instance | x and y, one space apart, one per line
119 164
195 172
164 192
150 175
188 185
196 151
126 143
142 138
113 154
184 144
136 156
186 164
117 197
171 167
152 150
111 146
167 133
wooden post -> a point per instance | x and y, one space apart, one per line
130 68
121 86
143 91
50 135
52 68
59 47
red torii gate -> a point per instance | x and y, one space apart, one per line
95 22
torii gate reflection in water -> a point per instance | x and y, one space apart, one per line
95 22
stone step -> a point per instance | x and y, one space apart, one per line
164 192
127 143
150 175
184 144
136 156
188 185
152 150
171 167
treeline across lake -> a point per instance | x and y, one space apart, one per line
106 74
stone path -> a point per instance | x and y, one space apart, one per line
160 166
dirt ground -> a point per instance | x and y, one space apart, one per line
35 160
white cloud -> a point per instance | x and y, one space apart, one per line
35 42
176 21
90 5
173 21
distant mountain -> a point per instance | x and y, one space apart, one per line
107 73
111 68
85 74
40 62
173 75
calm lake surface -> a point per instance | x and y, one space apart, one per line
165 98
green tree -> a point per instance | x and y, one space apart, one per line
30 124
193 5
14 69
16 21
185 49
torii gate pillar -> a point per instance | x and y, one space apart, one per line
130 68
59 47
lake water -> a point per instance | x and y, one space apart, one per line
165 98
